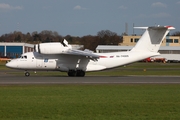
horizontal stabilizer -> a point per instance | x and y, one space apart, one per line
156 27
141 28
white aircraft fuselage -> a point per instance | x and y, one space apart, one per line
64 63
61 56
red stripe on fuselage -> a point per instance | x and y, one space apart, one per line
106 56
103 57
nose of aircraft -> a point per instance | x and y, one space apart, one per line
11 65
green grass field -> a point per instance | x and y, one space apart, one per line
94 102
90 102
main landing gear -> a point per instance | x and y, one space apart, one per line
77 73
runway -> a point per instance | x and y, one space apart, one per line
20 80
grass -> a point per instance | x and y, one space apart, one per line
90 102
2 65
94 102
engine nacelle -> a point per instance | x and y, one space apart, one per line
51 48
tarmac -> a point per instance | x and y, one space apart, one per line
12 79
20 80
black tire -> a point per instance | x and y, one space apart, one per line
71 73
80 73
27 74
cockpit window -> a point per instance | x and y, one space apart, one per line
23 57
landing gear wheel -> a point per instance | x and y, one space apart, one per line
80 73
27 74
71 73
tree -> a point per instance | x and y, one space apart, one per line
104 37
89 42
69 38
36 37
28 38
108 38
176 33
103 33
18 38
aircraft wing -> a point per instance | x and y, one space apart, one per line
86 53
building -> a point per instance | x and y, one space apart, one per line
14 50
168 41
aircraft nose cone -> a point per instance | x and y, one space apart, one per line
10 65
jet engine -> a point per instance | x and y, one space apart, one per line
52 48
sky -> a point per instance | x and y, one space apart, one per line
86 17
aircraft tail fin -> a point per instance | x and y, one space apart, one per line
152 38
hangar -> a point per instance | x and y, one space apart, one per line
14 50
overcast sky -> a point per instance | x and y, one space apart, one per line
86 17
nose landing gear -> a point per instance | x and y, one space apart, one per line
27 74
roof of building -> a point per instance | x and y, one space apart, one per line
16 44
74 46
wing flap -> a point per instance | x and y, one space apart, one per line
86 54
